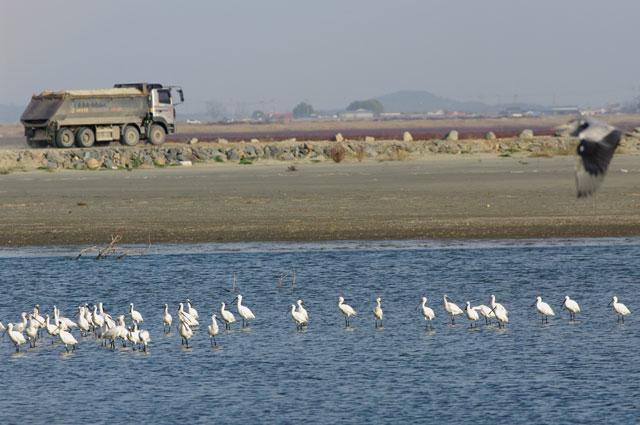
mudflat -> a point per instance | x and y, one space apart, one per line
475 196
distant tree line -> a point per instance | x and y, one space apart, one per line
303 110
372 105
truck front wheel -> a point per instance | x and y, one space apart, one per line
130 136
157 134
85 137
64 138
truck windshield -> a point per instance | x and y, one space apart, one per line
164 96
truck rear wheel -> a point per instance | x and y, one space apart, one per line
64 138
157 135
85 137
130 136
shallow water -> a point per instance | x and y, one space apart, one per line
583 372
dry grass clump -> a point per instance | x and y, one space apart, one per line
337 153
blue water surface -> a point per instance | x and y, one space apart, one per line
563 372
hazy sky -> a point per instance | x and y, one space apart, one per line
274 53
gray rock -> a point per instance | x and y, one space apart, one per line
223 141
255 141
193 141
490 136
172 154
369 139
233 155
249 150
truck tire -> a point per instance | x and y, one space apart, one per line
157 135
85 138
130 136
64 138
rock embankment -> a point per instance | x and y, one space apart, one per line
119 157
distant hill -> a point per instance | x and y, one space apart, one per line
10 114
419 101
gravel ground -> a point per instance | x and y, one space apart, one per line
472 196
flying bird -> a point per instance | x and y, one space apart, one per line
598 142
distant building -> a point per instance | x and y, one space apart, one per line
281 117
565 110
357 115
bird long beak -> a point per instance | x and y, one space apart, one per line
532 305
608 305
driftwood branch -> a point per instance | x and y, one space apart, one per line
112 249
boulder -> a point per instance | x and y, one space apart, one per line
452 136
193 141
490 135
369 139
407 137
255 141
223 141
338 137
92 163
526 134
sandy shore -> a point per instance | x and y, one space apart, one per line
476 196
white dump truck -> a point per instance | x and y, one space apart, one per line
125 113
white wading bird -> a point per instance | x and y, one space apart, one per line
452 309
32 333
377 312
544 309
299 318
620 309
486 312
52 329
213 329
166 319
185 317
192 311
427 313
16 337
346 310
20 327
145 339
67 339
83 323
136 317
471 314
227 316
185 333
303 311
500 312
244 312
571 306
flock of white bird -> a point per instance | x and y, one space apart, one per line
97 321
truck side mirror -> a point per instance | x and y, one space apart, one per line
181 95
